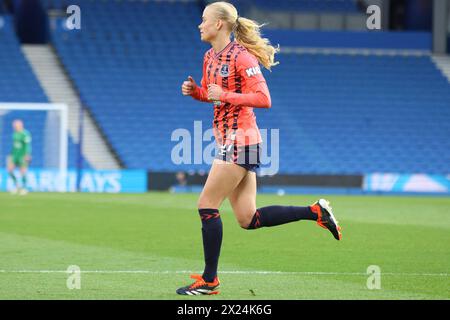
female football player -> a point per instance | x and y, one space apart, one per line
233 81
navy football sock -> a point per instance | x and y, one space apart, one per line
24 181
212 241
13 177
276 215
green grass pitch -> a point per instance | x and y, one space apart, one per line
144 246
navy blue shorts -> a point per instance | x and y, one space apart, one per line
248 157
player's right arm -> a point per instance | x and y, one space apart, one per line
190 88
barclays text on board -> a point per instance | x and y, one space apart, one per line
107 181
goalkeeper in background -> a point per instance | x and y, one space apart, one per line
20 155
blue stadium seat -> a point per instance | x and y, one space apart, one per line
19 84
316 6
336 113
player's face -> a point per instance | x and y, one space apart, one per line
18 125
208 27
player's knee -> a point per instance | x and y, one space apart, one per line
244 221
244 224
204 202
201 203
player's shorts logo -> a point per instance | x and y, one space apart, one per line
224 71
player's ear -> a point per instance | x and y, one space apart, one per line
219 24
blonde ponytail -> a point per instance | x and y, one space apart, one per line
247 33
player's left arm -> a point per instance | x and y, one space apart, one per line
257 93
27 146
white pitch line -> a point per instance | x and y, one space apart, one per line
233 272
